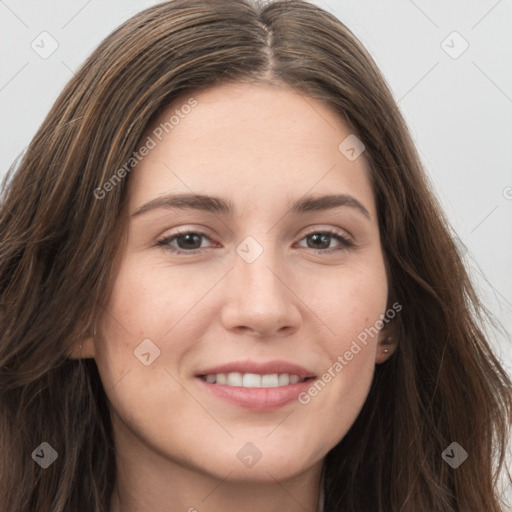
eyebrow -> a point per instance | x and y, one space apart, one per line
219 206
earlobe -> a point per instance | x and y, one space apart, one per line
385 348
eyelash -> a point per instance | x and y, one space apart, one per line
165 242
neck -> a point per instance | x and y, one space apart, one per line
193 493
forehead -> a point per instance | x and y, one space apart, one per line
258 144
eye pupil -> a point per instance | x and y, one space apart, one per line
322 238
193 238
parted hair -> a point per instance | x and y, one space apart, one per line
58 247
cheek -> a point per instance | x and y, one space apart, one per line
352 307
352 317
150 300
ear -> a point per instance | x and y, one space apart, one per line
83 348
386 344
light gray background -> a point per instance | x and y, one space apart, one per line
459 109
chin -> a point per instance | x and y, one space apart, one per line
261 461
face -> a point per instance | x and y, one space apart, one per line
232 340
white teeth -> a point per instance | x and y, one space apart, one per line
294 379
252 380
283 379
270 381
234 379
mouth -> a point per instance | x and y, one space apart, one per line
256 386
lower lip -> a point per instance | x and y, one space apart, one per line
257 398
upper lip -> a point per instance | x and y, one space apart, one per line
260 368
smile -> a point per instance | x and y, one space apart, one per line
259 386
252 380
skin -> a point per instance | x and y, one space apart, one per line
260 146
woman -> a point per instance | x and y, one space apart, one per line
318 346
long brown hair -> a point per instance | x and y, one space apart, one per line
58 244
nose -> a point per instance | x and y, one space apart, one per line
260 300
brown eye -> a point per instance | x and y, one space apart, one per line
186 242
320 241
189 242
